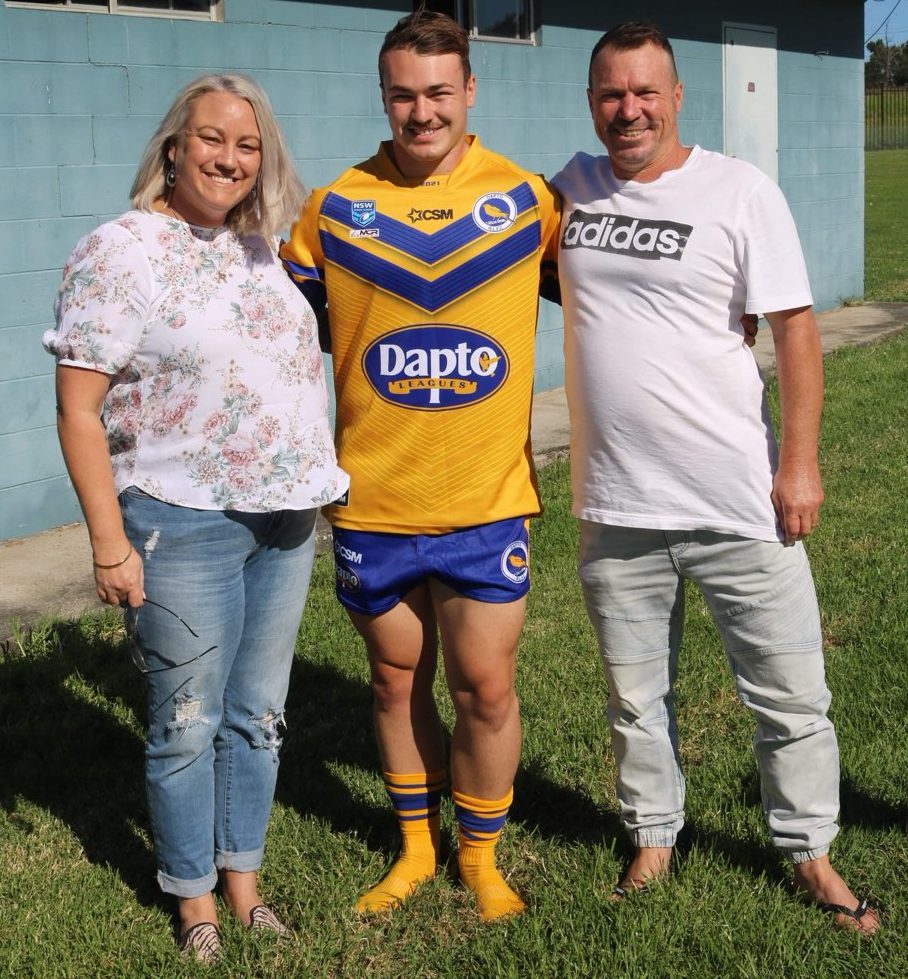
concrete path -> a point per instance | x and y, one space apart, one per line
49 576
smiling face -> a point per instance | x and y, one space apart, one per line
426 100
634 99
216 159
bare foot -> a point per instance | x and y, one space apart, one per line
194 910
817 881
240 891
649 863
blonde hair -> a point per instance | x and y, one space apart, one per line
279 191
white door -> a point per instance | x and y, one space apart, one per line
751 96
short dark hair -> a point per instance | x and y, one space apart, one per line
630 35
427 32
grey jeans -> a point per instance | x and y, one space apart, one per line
762 600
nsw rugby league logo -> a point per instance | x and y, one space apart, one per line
362 213
435 366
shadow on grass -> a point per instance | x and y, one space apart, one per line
329 723
866 812
68 753
555 812
70 747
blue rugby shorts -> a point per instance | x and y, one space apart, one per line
488 563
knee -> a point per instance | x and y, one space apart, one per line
392 687
265 733
184 729
790 715
638 691
490 702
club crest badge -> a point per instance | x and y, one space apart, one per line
494 213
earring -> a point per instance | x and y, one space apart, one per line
170 178
254 192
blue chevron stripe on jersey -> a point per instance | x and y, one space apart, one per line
427 248
432 296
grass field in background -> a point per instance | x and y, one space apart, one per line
77 892
886 226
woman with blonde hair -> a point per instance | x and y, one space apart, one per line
192 414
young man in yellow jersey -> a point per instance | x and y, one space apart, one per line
429 256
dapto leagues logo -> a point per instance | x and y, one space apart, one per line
347 578
494 212
435 366
621 234
515 562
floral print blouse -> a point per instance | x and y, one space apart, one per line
218 398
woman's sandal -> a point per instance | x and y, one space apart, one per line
202 942
261 917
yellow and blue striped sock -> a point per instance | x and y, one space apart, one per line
480 823
416 799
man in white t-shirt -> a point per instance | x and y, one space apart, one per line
675 468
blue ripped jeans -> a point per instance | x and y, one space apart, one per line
238 581
762 600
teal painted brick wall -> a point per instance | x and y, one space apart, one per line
32 246
37 505
95 189
37 451
45 140
83 92
821 167
25 298
29 192
28 404
21 355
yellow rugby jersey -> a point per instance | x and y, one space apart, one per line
432 289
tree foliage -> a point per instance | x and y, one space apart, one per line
887 65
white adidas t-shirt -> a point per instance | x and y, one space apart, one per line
670 428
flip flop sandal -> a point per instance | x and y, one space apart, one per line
628 889
855 914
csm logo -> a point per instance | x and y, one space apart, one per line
430 214
435 366
624 235
347 553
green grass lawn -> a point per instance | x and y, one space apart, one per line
886 226
77 893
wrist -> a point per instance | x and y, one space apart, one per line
107 565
